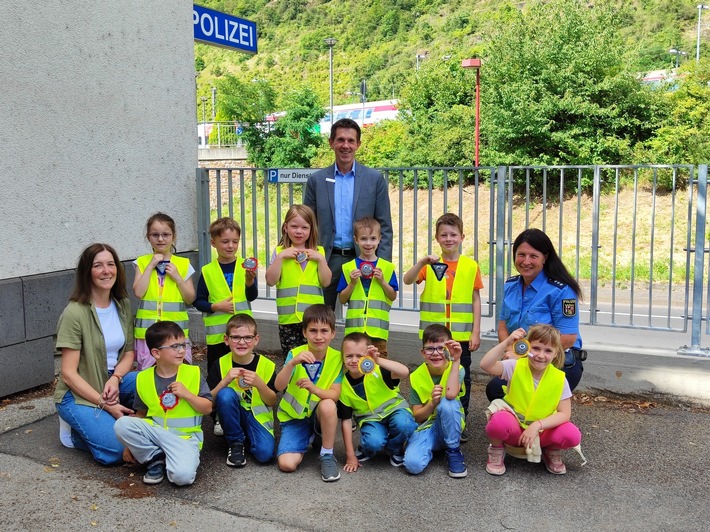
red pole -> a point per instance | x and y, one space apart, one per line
478 113
476 63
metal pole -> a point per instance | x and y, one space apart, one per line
330 41
204 99
214 101
697 46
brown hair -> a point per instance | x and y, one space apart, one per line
344 123
241 320
158 333
548 335
319 313
355 337
167 220
367 223
221 225
435 332
305 212
82 281
449 219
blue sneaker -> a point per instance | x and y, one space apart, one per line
361 455
329 468
457 467
156 470
397 460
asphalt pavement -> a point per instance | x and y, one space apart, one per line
647 470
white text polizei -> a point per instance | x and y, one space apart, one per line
224 29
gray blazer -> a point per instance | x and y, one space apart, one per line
371 199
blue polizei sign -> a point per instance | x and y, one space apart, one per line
220 29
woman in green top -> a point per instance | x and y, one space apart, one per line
95 339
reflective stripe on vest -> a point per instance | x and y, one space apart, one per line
299 403
167 305
297 289
182 420
380 400
423 384
369 313
215 323
265 368
530 403
432 310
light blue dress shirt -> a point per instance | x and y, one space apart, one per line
343 197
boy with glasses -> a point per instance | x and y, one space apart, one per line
242 384
436 388
171 398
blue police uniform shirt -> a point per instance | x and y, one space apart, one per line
543 301
343 196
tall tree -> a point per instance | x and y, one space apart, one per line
556 88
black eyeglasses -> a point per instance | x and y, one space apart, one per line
431 349
238 339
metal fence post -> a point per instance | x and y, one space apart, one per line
698 284
202 181
500 232
594 273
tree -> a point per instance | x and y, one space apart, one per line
295 137
247 104
557 89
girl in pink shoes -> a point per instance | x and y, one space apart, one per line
535 412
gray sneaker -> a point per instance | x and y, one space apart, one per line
329 471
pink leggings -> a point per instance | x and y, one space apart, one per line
504 426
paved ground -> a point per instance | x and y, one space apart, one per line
647 470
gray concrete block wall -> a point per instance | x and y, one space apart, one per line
29 310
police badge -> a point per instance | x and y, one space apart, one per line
569 308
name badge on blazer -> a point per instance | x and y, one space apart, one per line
329 180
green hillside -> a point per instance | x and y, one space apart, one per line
379 40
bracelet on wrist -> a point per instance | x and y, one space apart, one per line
541 427
119 377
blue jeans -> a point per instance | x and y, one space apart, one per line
296 434
239 425
443 433
389 434
92 428
466 365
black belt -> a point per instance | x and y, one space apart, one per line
350 252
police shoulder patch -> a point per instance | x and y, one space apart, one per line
512 278
555 282
569 308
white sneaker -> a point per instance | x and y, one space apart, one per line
218 431
65 434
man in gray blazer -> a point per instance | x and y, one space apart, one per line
342 194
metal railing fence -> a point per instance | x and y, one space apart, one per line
635 265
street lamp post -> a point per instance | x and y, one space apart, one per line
420 57
330 41
677 53
697 46
476 63
204 99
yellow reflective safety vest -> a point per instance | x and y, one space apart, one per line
530 403
265 368
297 288
216 323
299 403
423 384
165 305
433 302
380 401
369 314
182 420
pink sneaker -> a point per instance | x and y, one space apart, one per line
496 457
553 461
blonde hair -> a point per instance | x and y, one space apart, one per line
221 225
305 212
548 335
369 224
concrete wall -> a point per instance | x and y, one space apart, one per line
99 130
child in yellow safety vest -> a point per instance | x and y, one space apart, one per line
451 295
436 388
244 393
370 395
536 410
171 399
163 283
226 287
368 285
311 380
299 270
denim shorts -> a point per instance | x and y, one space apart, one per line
297 434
